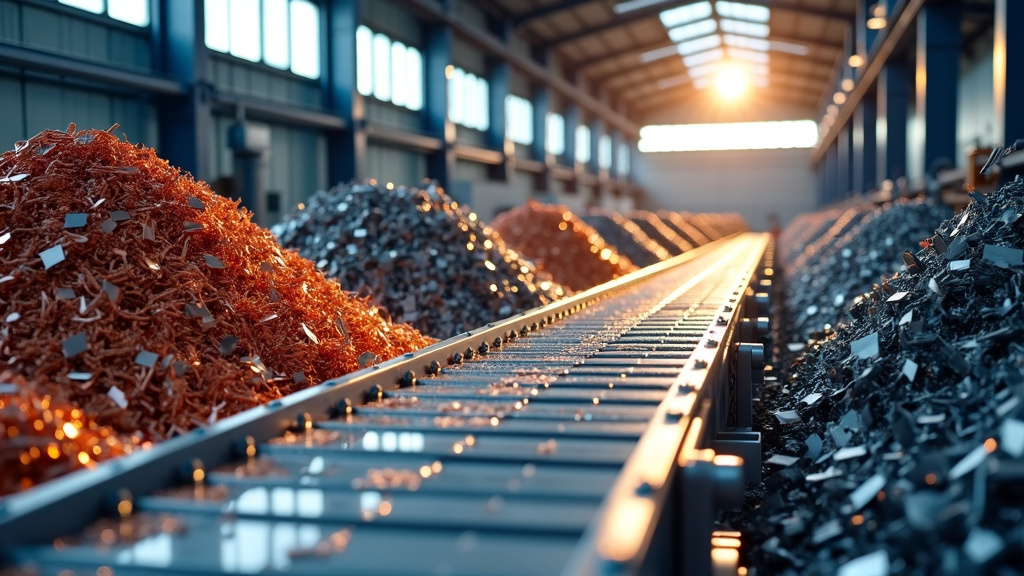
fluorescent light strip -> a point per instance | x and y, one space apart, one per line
745 28
742 11
685 14
699 28
699 45
729 136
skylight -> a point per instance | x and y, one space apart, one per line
759 44
699 28
743 11
685 14
699 45
703 57
702 70
748 55
747 28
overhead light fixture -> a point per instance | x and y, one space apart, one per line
877 20
632 5
839 98
846 84
855 61
731 82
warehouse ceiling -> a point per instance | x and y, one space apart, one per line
623 50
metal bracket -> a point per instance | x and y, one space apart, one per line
740 440
708 486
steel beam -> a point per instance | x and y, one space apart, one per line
891 120
547 11
186 123
937 79
437 56
864 147
1008 87
346 150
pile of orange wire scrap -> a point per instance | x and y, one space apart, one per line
133 294
561 244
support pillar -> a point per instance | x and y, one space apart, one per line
499 76
864 147
1008 85
541 108
891 120
437 57
346 149
937 76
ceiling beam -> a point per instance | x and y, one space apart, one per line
548 10
689 100
653 11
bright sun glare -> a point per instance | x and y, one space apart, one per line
731 82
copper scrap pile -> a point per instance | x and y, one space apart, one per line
134 295
418 254
562 244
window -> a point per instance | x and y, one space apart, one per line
388 70
519 119
556 134
583 143
622 162
131 11
736 136
604 152
468 96
284 34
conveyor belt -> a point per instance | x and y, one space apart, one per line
549 443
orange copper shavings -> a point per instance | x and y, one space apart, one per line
561 244
166 308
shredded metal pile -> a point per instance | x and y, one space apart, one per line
137 296
896 444
561 244
659 232
851 264
681 226
418 255
626 237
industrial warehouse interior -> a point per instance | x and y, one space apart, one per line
511 287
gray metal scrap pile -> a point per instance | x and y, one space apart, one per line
896 444
818 293
418 254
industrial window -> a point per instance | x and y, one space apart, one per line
131 11
388 70
284 34
604 152
622 162
735 136
556 134
583 143
519 119
468 99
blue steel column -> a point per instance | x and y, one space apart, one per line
346 149
572 120
864 146
499 77
865 37
541 108
437 56
596 130
1008 84
822 181
937 75
186 123
831 173
891 123
844 164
